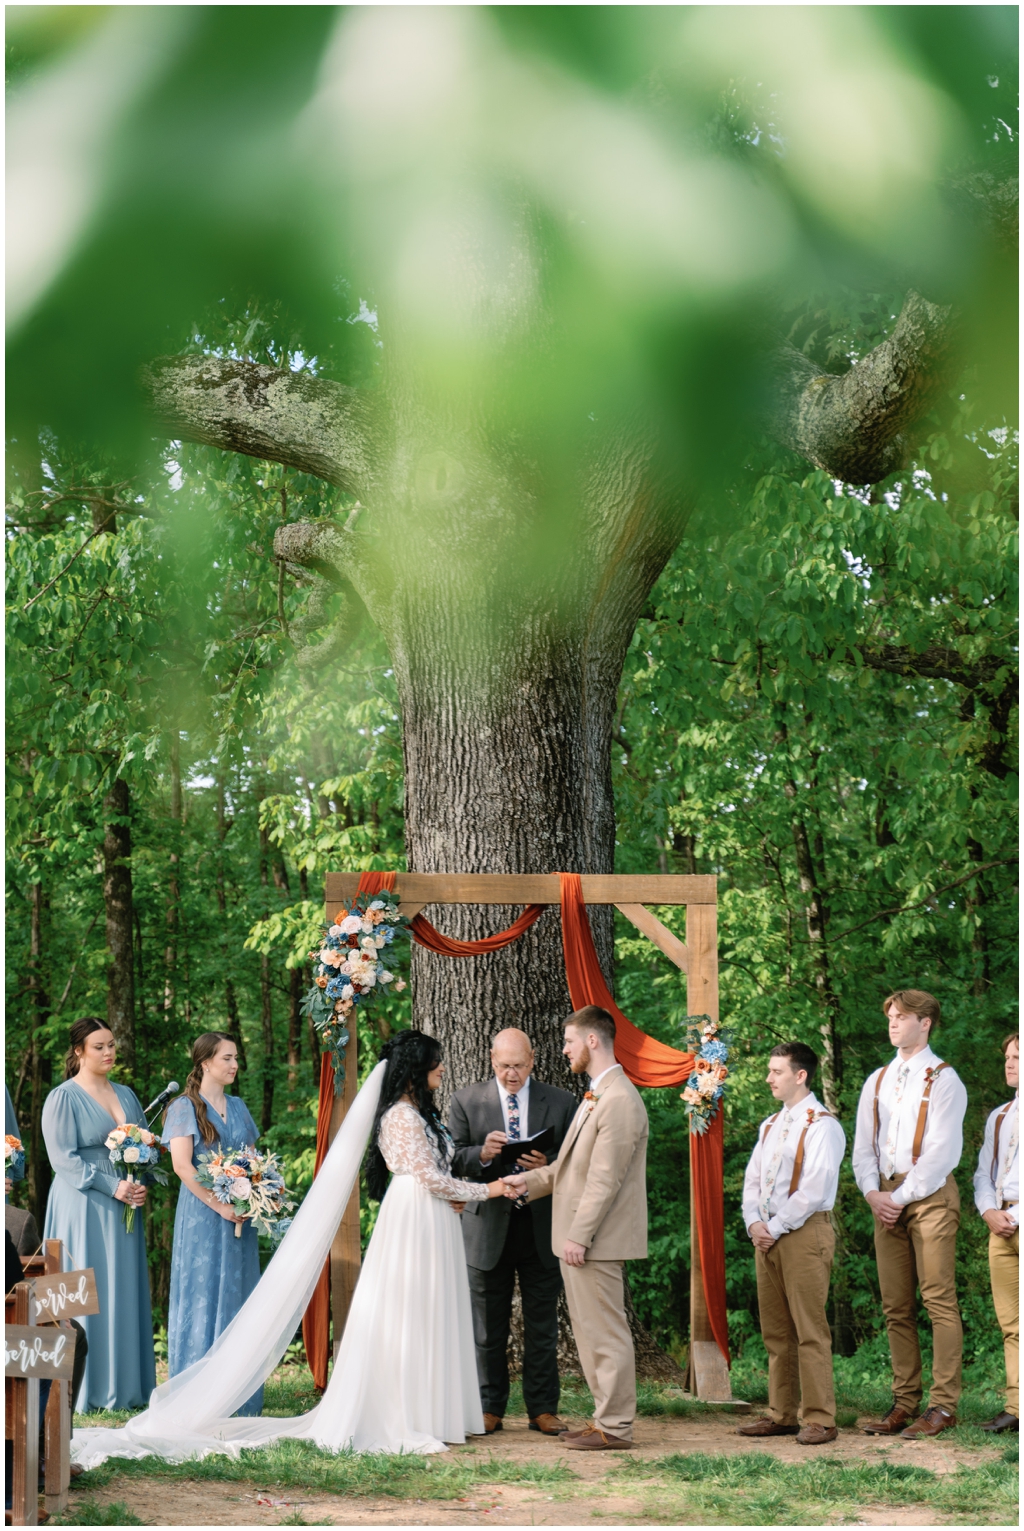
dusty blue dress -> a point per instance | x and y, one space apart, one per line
212 1272
120 1372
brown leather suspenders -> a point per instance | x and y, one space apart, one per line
922 1116
995 1144
878 1085
798 1162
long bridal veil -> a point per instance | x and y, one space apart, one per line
190 1415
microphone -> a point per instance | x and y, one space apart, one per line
163 1097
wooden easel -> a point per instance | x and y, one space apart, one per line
697 958
57 1420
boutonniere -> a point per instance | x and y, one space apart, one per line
591 1100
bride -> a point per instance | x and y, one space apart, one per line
405 1375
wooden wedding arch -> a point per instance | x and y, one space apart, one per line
697 957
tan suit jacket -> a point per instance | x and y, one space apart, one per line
598 1183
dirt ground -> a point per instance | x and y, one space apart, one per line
161 1501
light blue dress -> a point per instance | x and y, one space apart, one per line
212 1272
120 1372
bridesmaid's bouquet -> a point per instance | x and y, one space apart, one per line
134 1149
14 1158
251 1183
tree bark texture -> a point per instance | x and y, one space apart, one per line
173 889
117 897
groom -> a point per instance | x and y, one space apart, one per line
598 1188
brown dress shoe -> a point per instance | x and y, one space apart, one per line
593 1439
1001 1423
896 1420
548 1424
816 1435
765 1426
492 1422
932 1422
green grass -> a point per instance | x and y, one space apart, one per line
754 1488
89 1512
300 1464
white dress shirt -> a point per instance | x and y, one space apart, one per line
995 1184
523 1097
770 1171
595 1082
899 1104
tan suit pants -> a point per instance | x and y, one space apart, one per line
600 1328
792 1290
1004 1265
920 1251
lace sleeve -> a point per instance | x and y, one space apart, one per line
403 1142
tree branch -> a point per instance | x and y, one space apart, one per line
854 426
305 422
924 902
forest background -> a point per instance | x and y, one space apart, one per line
818 706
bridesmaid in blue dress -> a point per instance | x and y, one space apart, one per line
212 1271
85 1211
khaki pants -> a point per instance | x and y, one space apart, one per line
920 1251
1004 1264
792 1290
600 1328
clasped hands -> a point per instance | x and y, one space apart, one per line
130 1192
885 1209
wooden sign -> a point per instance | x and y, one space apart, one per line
72 1294
32 1352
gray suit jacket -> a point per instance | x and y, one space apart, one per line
476 1111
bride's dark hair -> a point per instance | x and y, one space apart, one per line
410 1057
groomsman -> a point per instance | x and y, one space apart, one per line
788 1191
996 1196
908 1142
599 1219
506 1239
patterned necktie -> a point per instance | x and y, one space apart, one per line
514 1134
893 1133
772 1172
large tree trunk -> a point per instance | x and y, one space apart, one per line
117 896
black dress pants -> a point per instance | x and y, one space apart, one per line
491 1292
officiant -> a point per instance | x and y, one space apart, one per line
506 1239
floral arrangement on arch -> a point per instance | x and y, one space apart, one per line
351 967
705 1087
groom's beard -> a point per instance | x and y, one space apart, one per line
582 1064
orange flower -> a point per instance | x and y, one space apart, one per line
342 914
235 1171
321 982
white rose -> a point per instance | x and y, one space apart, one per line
386 977
350 924
118 1134
131 1156
335 930
368 944
379 941
241 1189
366 926
347 991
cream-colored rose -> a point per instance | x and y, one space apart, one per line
242 1189
131 1156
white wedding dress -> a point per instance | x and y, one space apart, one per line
405 1376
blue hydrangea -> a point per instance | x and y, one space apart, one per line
714 1052
222 1189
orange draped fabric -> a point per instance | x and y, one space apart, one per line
446 946
654 1064
646 1061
